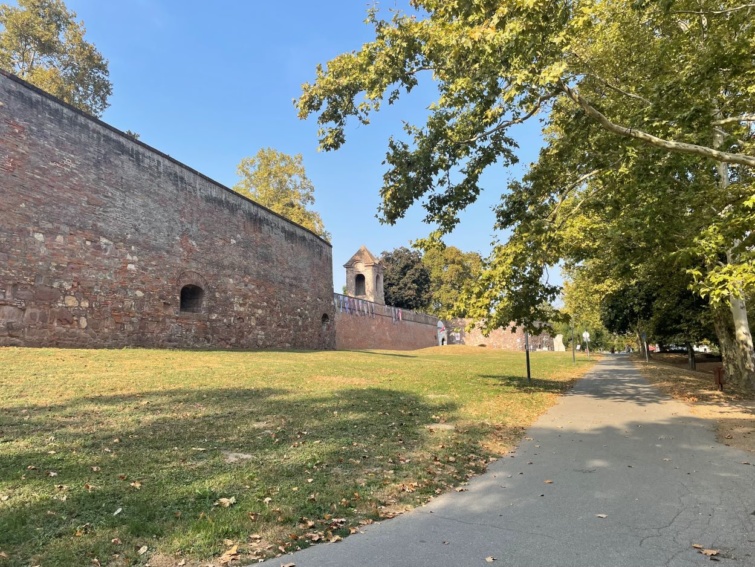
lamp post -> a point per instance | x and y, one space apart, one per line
573 344
527 355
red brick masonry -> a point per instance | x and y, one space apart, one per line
99 233
365 325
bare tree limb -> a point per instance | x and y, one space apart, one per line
678 147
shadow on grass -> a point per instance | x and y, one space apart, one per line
161 458
534 385
385 354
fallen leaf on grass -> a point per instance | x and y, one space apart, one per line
230 555
336 539
118 511
3 555
95 469
143 549
52 473
136 484
601 515
226 502
116 541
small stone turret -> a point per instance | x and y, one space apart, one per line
364 277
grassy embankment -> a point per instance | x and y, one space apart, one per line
129 456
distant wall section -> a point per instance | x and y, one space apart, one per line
505 339
362 324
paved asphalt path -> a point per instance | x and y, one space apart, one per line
615 446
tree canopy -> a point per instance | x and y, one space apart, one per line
41 42
451 273
279 182
406 280
649 142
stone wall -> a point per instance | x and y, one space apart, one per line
362 324
506 339
99 234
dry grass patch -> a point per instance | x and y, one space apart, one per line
733 410
125 457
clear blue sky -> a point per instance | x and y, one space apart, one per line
212 82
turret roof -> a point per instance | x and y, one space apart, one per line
364 256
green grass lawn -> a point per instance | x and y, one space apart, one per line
120 457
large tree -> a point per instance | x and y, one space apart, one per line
406 280
278 181
646 104
41 42
451 273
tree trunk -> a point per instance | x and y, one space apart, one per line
740 363
691 357
737 354
743 342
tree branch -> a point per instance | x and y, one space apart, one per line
747 117
503 125
678 147
620 91
569 188
713 12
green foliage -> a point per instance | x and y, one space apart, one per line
278 181
406 282
451 273
640 101
41 42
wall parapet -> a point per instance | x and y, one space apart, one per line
364 308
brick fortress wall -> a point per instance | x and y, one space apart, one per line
505 339
99 233
362 324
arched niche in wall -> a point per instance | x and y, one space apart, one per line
193 292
